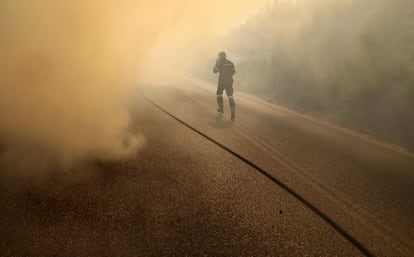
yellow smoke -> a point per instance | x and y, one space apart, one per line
68 67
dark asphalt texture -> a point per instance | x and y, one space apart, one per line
181 195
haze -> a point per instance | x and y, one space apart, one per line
69 68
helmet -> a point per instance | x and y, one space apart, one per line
222 54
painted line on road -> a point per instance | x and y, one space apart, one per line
292 192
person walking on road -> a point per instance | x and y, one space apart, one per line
226 70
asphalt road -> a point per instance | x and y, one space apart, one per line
182 195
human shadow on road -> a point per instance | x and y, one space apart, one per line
221 123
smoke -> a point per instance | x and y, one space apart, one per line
69 68
348 61
194 40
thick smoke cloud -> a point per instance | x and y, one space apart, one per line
68 69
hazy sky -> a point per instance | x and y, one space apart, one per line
193 33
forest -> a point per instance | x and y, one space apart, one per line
348 62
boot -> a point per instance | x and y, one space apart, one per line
220 104
232 108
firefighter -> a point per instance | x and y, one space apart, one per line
226 70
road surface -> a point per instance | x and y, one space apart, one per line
182 195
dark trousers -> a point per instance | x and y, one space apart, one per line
225 86
228 87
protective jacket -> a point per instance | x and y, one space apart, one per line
226 70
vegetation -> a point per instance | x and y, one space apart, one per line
348 61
